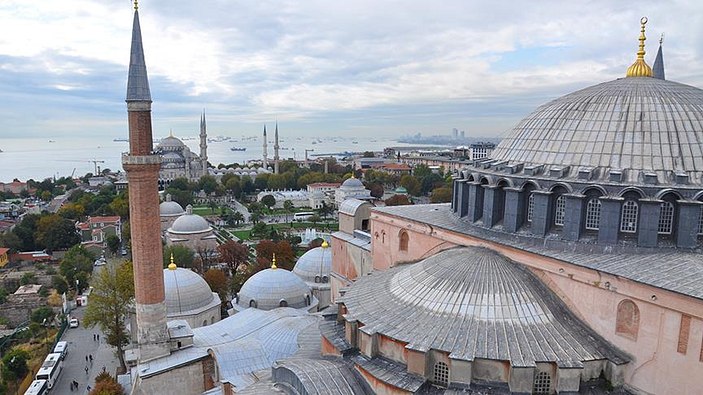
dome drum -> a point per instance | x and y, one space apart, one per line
273 288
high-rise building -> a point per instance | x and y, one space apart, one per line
142 165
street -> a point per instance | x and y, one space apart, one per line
81 344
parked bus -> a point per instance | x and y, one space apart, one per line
50 369
61 348
303 215
38 387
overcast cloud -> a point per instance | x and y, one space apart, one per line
323 67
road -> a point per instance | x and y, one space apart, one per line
81 344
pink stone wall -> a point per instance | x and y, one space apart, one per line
392 349
657 365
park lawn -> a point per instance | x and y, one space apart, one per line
241 234
205 210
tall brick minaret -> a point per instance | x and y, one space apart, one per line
142 166
203 144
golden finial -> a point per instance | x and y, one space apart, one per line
661 39
640 68
136 5
273 262
172 266
325 244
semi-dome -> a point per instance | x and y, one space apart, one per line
190 223
463 299
169 208
635 126
352 182
186 292
272 288
314 266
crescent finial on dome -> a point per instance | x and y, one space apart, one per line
325 244
640 68
172 266
273 262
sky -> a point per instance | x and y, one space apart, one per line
361 68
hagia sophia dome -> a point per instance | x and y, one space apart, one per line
314 266
272 288
190 223
189 297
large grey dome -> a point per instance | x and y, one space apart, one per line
269 287
473 303
636 125
190 223
315 265
170 143
352 182
186 292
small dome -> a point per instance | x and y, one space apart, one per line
169 208
269 287
401 191
190 223
186 292
352 182
314 266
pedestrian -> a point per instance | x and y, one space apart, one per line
88 388
98 335
71 385
75 384
93 336
86 370
103 368
90 356
86 359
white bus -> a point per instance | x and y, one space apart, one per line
303 215
50 369
61 348
38 387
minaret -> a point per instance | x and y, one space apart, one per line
142 166
275 151
658 67
266 154
203 143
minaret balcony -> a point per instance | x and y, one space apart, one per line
153 159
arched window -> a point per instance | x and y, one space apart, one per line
212 320
559 210
404 240
593 214
317 279
627 322
252 303
628 219
325 279
441 374
666 218
542 384
282 303
530 206
205 323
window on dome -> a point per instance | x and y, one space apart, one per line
628 219
205 323
404 240
325 279
530 206
627 322
307 300
542 384
252 303
441 374
593 214
666 218
559 210
282 303
317 279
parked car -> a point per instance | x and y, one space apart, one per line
73 323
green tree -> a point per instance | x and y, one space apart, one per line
14 364
421 171
182 256
207 183
233 186
255 217
237 217
268 201
259 229
39 315
55 232
246 184
441 195
411 184
28 278
110 302
11 241
285 256
113 244
398 200
261 181
315 219
77 264
288 207
59 284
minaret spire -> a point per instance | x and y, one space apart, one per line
203 143
276 147
266 159
658 67
142 166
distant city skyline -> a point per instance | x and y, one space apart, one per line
362 68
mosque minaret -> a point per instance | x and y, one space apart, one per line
142 166
276 147
203 143
266 160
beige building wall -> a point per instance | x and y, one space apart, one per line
187 379
657 367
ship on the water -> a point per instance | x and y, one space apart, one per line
238 149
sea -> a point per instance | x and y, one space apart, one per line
37 158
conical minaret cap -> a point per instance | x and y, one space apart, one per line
138 81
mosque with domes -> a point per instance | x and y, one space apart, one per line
177 160
569 261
